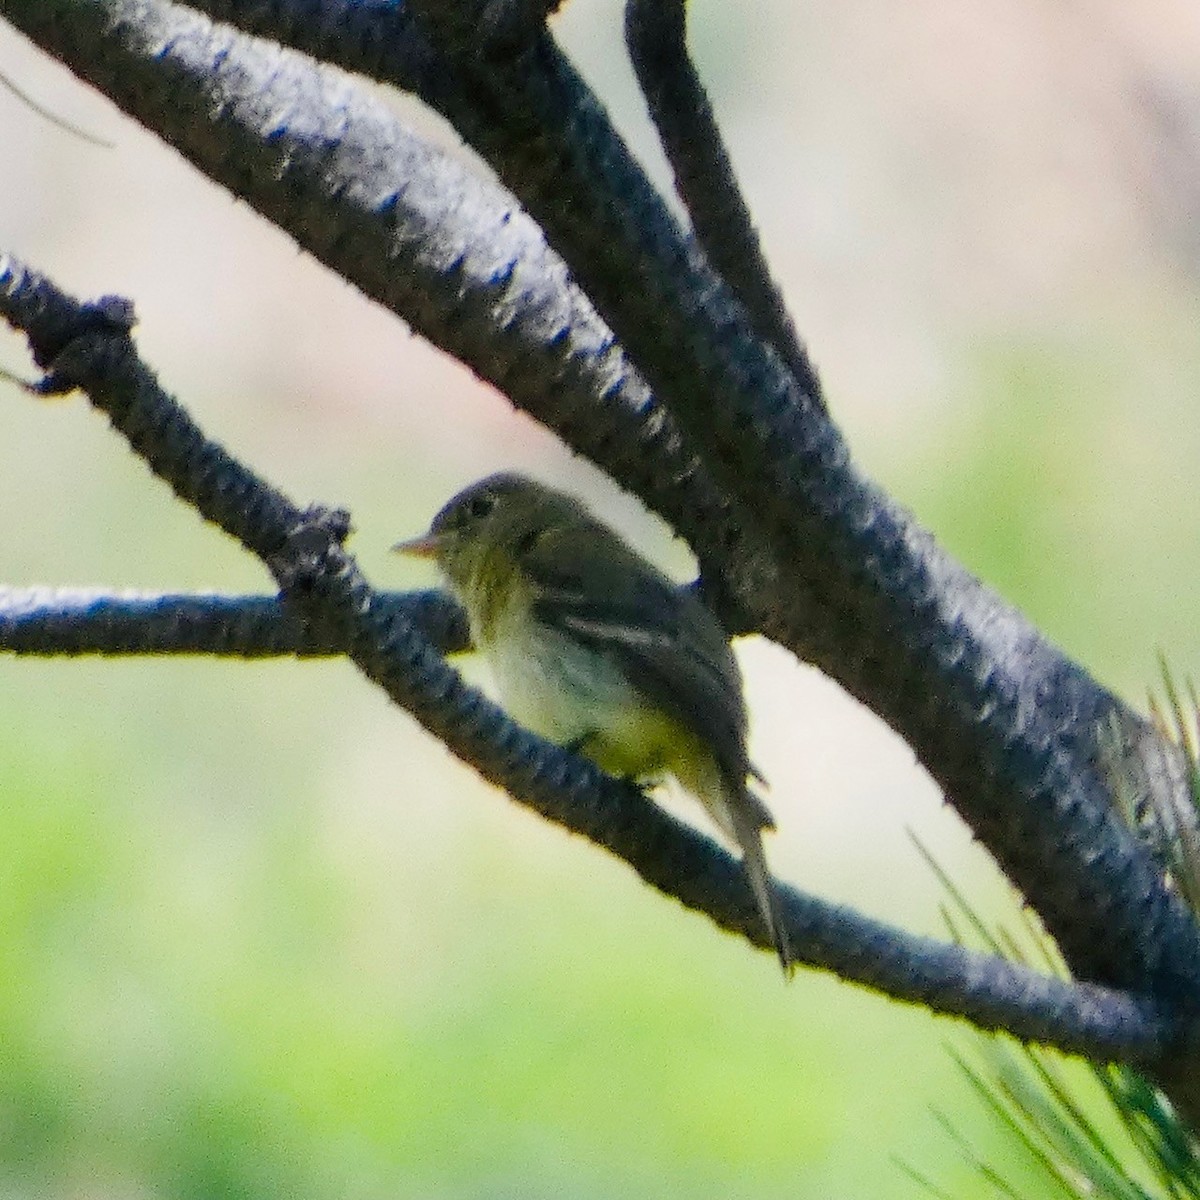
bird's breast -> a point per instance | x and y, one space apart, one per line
570 694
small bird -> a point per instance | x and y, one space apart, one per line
595 649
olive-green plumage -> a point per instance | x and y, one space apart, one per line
593 647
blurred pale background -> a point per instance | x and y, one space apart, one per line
259 936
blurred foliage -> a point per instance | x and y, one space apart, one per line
226 1016
1060 480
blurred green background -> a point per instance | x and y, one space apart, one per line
259 936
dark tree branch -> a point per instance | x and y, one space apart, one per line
76 621
656 34
506 27
326 592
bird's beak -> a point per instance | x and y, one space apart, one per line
425 545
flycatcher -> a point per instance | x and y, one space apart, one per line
594 648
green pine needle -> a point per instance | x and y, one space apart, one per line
1123 1141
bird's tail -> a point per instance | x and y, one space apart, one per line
748 831
742 817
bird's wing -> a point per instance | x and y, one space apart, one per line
662 637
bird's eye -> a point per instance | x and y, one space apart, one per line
480 505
